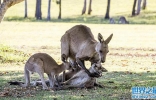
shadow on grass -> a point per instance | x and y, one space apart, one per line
117 86
72 19
145 17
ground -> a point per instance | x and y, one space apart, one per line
130 62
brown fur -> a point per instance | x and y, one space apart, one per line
77 78
78 44
43 63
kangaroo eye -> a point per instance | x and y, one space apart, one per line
100 51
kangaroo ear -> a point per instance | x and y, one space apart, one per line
108 39
100 38
64 58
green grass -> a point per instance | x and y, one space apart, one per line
9 55
71 12
120 88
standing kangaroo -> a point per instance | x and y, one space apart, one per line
43 63
78 44
122 20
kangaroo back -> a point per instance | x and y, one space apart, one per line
74 38
123 20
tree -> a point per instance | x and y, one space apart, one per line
5 5
144 4
138 7
133 9
26 15
38 13
90 8
59 17
0 1
108 9
49 6
84 7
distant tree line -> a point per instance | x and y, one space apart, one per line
38 12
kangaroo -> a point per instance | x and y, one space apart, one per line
43 63
111 21
123 20
81 79
79 45
74 78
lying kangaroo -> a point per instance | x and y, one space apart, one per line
81 79
43 63
75 78
78 44
122 20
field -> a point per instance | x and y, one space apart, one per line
71 12
130 62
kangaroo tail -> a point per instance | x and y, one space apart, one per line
16 83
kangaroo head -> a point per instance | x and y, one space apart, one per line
97 68
67 65
102 47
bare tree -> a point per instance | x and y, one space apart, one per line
38 13
5 5
108 9
49 6
26 12
90 8
59 17
144 4
133 9
84 7
138 7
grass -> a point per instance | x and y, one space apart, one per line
130 62
72 13
9 55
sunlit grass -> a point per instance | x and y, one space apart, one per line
71 12
9 55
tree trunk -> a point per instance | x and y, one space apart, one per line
59 17
144 4
108 9
5 5
49 6
138 7
26 13
38 13
133 9
84 7
90 7
0 2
